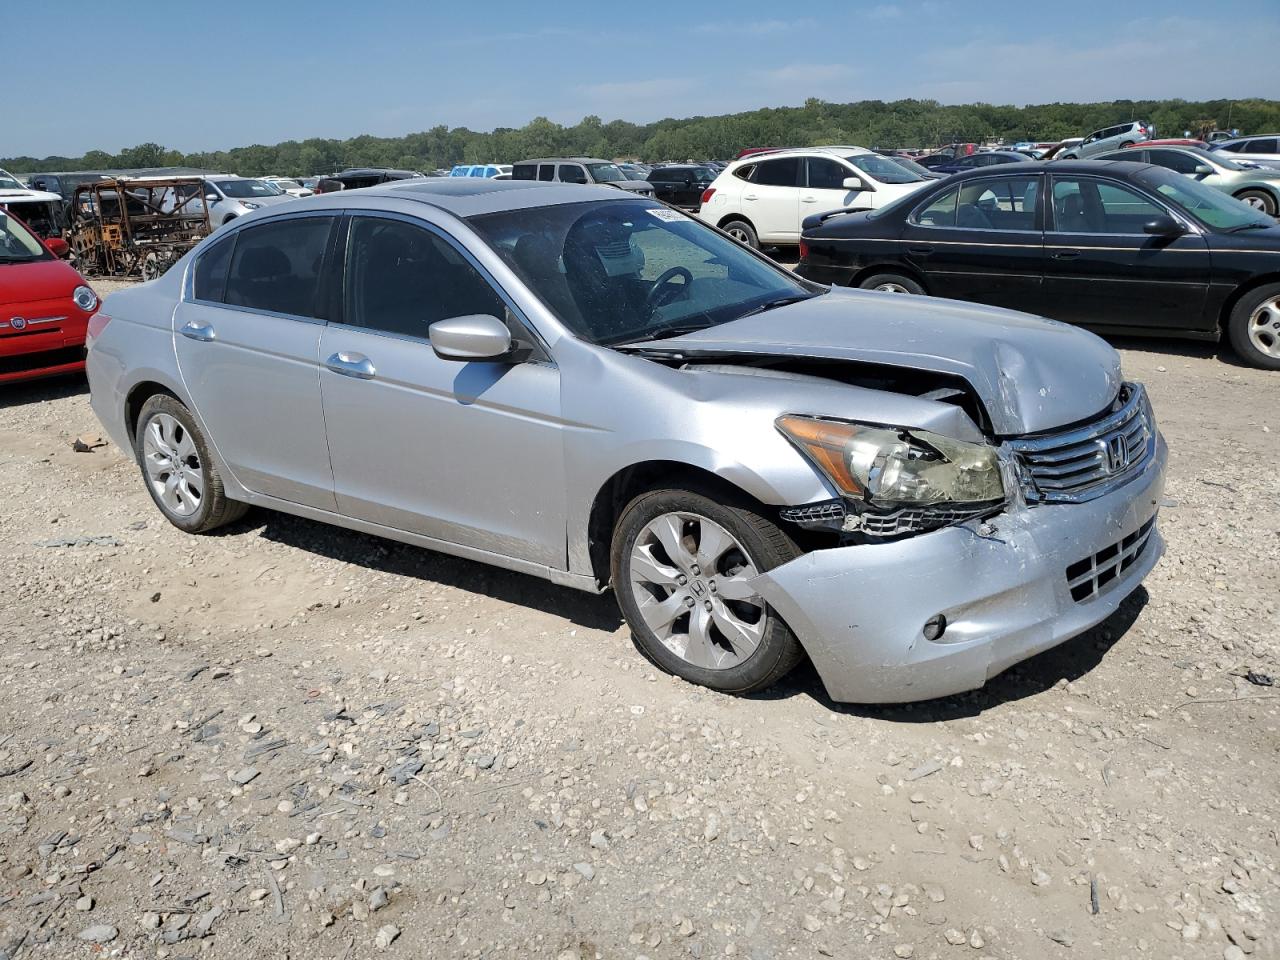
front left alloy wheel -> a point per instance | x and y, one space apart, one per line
683 565
179 473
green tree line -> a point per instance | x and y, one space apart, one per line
871 123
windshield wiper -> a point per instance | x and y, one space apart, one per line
662 332
779 302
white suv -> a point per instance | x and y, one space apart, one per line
764 198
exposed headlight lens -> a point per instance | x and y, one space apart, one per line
84 298
886 467
251 206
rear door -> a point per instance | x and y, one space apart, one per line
982 241
468 453
247 339
1102 269
771 200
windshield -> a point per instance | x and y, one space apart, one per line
9 181
17 244
1207 204
287 184
623 270
606 173
884 169
248 189
923 173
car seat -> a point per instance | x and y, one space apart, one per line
1071 216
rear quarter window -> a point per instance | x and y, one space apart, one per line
209 281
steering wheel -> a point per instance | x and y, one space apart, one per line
662 287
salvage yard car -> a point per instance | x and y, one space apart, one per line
45 306
600 390
1125 248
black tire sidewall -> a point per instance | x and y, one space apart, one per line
1238 327
913 287
778 650
1269 203
200 520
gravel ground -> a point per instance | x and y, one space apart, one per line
287 740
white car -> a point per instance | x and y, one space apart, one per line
764 198
1264 151
290 186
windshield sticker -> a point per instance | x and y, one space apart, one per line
665 215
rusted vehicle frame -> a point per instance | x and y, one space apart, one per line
136 227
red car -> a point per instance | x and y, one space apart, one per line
45 306
1172 142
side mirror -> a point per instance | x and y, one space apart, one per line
57 246
475 337
1163 227
211 198
853 183
1203 170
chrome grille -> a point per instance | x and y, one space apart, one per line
1089 461
1088 577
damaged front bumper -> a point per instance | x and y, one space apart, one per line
1009 588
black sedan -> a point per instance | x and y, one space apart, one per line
681 184
1126 248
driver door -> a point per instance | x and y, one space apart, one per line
465 452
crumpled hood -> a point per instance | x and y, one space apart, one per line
1031 374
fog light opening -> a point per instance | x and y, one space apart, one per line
935 627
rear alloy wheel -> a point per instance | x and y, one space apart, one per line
742 231
1260 200
1254 327
180 475
891 283
683 566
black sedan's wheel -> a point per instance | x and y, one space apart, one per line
1254 327
743 232
1259 200
177 468
891 283
682 565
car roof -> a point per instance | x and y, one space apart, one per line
561 159
470 196
1121 167
826 150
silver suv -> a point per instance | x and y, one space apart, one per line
1111 138
230 197
596 389
579 170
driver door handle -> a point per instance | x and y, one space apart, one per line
749 196
1066 255
198 331
809 199
355 365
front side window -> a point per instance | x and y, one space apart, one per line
401 278
571 173
617 271
940 212
1082 205
826 174
783 172
276 266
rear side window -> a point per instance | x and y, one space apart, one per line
1173 160
1267 145
547 172
210 279
783 172
276 266
524 171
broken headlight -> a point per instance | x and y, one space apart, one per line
897 480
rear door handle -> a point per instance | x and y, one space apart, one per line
198 331
355 365
920 249
1066 254
808 199
749 196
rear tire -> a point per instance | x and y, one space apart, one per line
891 283
680 563
1259 200
1254 327
743 232
177 469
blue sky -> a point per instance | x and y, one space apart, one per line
233 73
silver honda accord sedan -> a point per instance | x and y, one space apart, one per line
600 390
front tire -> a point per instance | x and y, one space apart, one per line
1260 200
177 469
1254 327
682 562
743 232
891 283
